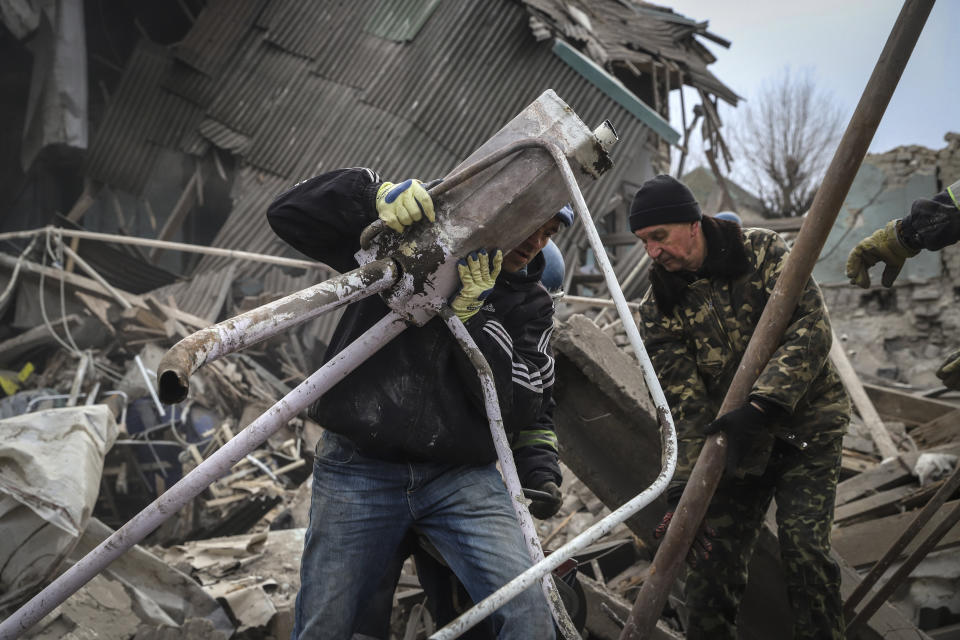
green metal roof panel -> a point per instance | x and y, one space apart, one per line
613 88
400 20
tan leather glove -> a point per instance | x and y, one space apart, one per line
882 245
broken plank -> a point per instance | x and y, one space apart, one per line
881 504
906 407
864 543
36 337
885 475
940 430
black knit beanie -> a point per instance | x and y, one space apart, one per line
663 200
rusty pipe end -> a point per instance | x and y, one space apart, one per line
172 386
173 373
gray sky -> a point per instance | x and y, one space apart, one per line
839 41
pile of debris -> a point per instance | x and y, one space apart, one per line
88 444
92 446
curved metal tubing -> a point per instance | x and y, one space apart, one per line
508 468
668 434
206 473
239 332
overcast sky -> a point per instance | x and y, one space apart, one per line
839 41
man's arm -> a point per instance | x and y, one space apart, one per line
932 224
684 389
805 345
323 217
538 463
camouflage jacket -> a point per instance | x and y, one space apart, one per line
696 328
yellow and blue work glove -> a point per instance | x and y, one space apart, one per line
400 205
477 277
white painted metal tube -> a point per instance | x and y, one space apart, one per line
161 411
668 435
509 469
239 332
166 244
207 472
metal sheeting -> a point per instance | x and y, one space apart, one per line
223 136
297 26
122 154
400 20
216 35
491 69
261 76
295 89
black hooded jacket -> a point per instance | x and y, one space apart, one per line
418 398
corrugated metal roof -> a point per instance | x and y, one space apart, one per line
296 26
216 35
261 76
223 136
140 116
295 89
490 68
400 20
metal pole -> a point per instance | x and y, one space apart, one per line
508 468
904 570
239 332
776 315
207 472
920 521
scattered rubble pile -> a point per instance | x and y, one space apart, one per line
87 445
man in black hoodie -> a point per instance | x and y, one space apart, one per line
406 439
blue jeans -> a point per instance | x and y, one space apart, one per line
362 507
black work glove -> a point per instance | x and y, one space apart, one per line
546 499
932 224
701 547
742 425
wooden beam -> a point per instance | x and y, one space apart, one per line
878 431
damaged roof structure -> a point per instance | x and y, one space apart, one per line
198 131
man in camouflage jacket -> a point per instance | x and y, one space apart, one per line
710 282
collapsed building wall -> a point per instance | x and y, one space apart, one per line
901 334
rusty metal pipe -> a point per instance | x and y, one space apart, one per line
904 570
929 510
776 314
239 332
